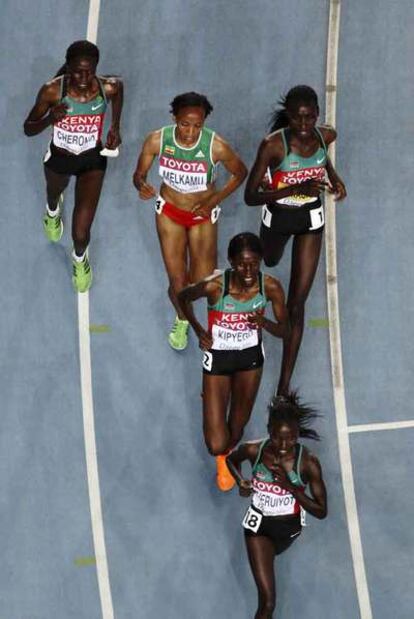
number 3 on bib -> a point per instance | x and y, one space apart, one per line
252 520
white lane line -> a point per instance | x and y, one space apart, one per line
91 458
374 427
93 20
335 333
95 502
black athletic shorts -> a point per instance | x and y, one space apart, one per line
224 362
74 165
280 222
282 531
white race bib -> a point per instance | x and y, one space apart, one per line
317 218
252 520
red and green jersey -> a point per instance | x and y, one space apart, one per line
229 319
295 169
81 128
186 170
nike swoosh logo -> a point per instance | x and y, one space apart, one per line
95 107
319 161
257 304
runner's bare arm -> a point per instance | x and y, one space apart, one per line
317 503
45 111
114 90
274 292
209 288
246 451
150 150
223 153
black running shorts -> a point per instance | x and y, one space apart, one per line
224 362
74 165
282 531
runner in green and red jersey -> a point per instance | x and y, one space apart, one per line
291 171
74 104
232 345
187 207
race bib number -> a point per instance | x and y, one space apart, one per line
207 360
317 218
252 520
266 216
215 213
159 205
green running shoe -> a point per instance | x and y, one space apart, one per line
53 226
82 275
178 338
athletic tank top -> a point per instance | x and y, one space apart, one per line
295 169
268 496
186 170
228 319
81 128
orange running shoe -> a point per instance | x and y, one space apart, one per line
224 479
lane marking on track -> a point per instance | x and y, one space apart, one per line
84 561
375 427
99 328
318 323
335 333
92 472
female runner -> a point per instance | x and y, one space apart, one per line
295 160
233 349
187 208
74 104
281 470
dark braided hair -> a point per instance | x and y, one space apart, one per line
296 96
244 240
190 99
79 49
289 409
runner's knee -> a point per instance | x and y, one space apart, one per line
216 445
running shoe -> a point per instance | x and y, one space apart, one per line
82 274
178 338
53 226
224 479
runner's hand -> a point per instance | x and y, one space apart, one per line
204 207
257 319
205 341
245 487
312 188
57 112
338 189
145 190
113 139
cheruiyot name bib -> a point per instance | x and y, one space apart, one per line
81 128
295 169
186 170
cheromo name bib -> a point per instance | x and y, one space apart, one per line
81 128
186 170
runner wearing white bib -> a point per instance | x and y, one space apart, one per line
188 205
282 468
74 104
232 344
291 171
